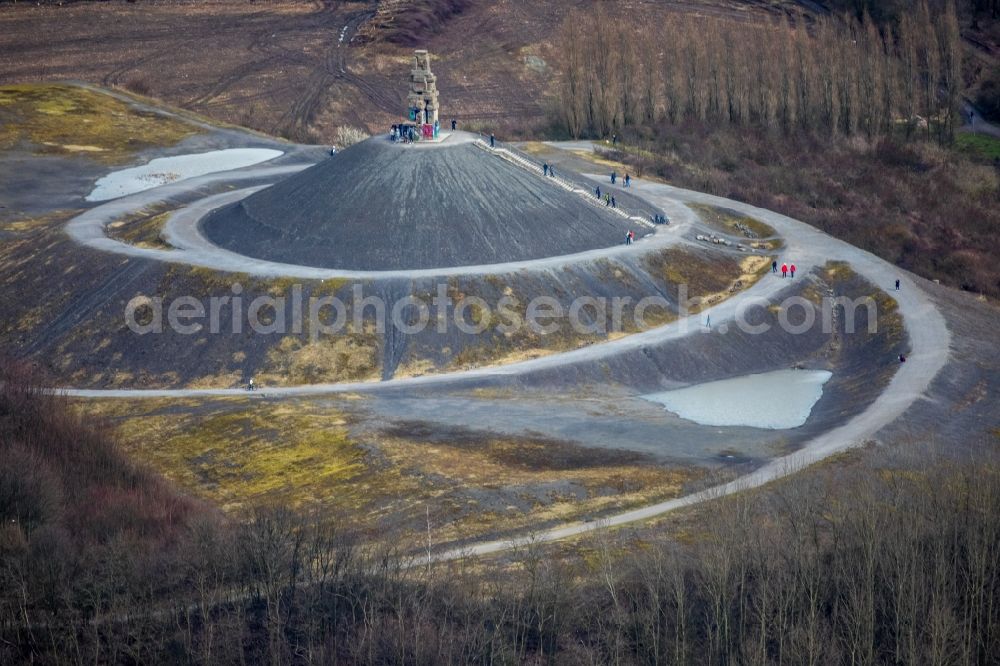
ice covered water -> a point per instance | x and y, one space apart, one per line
777 400
163 170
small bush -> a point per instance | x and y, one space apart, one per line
139 87
348 135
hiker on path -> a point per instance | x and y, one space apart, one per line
613 176
598 191
784 270
614 204
545 169
897 285
629 237
628 180
792 269
493 141
552 172
250 385
454 124
614 139
774 266
607 199
902 359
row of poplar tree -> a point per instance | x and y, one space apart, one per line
831 74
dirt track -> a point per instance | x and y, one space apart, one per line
292 67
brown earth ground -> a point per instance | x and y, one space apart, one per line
280 68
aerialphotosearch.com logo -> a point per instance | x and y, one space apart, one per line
318 316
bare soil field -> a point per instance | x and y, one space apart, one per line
293 68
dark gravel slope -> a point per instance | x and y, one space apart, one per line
384 206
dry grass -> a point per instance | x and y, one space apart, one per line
330 358
727 220
67 120
25 224
543 481
246 452
143 228
243 452
709 278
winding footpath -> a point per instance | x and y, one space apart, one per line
807 247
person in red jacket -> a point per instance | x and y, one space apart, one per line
784 270
792 269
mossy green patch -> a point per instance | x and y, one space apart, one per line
981 146
237 456
60 119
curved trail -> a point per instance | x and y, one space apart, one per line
192 248
930 342
806 246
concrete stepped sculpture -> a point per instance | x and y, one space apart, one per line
422 100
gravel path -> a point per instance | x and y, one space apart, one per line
192 248
973 121
808 248
930 341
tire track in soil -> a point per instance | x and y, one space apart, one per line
258 45
295 121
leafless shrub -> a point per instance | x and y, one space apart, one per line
348 136
139 86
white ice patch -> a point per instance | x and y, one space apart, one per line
776 400
163 170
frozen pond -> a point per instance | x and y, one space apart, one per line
776 400
163 170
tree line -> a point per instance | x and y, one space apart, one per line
837 75
886 561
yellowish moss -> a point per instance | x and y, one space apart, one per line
838 270
415 368
62 119
243 451
20 223
707 278
330 358
260 453
143 228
